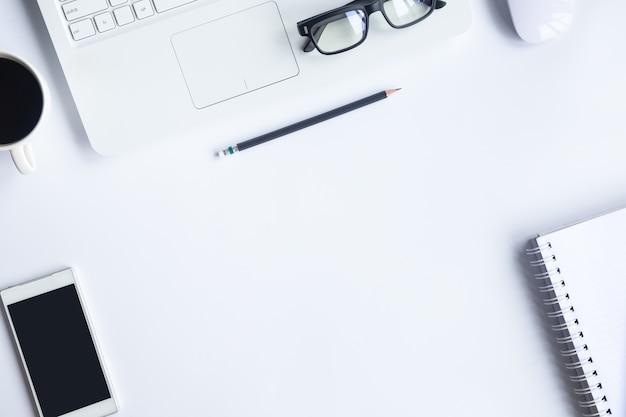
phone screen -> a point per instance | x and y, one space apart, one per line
59 351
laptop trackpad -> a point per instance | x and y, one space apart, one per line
234 55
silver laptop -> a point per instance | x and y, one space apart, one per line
141 70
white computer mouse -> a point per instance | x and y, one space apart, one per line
541 20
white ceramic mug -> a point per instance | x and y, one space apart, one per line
24 107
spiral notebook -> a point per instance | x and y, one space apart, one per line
580 270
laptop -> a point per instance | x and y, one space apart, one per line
143 70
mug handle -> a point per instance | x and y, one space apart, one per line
24 158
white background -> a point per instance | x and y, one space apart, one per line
372 265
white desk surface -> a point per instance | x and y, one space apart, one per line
370 266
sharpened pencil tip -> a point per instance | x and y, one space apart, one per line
390 92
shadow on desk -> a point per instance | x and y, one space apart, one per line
502 17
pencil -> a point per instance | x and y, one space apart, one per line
306 123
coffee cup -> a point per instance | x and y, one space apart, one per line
24 107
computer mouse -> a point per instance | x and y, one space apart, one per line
541 20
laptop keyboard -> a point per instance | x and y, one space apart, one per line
87 18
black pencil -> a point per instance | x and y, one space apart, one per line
306 123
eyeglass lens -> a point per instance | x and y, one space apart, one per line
404 12
340 32
345 30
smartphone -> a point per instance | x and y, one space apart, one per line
56 343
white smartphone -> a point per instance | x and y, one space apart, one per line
58 349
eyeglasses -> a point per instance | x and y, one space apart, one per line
346 27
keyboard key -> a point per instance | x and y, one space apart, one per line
117 2
104 22
143 9
163 5
80 8
83 29
124 15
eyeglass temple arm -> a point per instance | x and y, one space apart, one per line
317 33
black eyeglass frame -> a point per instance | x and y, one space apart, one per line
367 7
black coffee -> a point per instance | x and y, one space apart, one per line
21 101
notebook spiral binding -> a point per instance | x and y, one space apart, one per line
568 332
